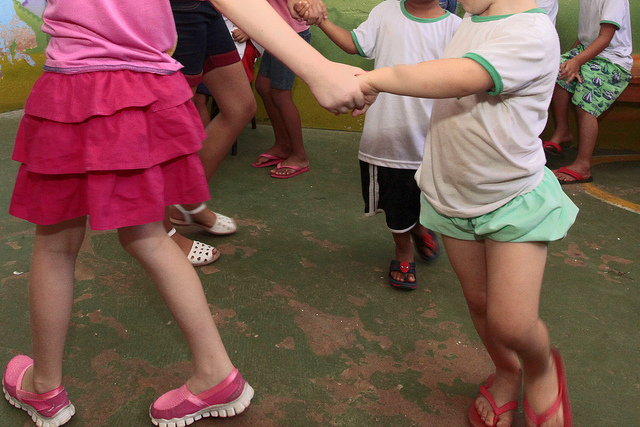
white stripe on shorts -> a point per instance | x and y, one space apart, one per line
374 191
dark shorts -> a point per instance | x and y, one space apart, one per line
392 191
204 42
272 68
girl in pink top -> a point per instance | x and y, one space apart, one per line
110 134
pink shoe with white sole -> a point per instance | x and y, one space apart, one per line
51 409
180 407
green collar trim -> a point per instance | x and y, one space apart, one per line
478 18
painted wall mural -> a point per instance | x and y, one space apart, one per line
22 46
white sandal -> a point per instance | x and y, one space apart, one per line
223 225
200 253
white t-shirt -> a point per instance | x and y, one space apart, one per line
483 150
395 126
593 13
549 6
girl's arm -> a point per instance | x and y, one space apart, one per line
339 36
334 85
570 69
440 78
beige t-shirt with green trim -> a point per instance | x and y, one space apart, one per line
484 149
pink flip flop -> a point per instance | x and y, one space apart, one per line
474 418
561 400
273 160
297 171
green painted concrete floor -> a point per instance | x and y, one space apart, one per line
302 302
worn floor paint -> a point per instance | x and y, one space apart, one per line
302 302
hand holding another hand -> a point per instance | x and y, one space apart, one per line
313 12
337 88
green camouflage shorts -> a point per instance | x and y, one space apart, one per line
602 83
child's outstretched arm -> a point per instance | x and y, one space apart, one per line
440 78
570 69
334 85
339 36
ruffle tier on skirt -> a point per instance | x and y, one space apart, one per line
118 146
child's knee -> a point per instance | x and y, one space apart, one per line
263 87
513 333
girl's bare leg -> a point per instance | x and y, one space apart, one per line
515 272
51 284
232 93
180 287
468 259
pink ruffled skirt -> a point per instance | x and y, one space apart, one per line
118 146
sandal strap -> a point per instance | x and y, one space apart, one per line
186 215
172 232
396 266
509 406
540 419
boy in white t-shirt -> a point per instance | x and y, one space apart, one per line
397 32
486 190
592 76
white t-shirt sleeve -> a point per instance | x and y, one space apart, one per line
513 58
613 12
366 35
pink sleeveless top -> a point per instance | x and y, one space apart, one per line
103 35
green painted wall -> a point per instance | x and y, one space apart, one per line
18 78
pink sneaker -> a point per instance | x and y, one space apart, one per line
180 407
51 409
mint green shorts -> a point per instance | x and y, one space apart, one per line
542 215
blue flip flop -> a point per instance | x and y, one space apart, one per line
405 268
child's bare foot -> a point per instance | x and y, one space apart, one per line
504 391
546 399
290 167
399 276
580 172
565 139
276 153
404 254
